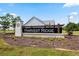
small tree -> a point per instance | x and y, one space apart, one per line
8 20
4 22
12 19
70 27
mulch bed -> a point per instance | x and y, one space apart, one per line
70 42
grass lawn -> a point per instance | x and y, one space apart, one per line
74 32
7 31
8 50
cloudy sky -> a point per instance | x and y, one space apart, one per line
60 12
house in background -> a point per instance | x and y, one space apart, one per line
34 21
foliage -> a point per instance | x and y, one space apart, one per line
70 33
70 27
4 22
8 20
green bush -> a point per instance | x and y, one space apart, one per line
70 33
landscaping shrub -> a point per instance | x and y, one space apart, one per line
70 33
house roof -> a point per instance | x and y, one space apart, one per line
34 20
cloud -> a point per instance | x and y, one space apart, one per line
71 17
71 4
4 13
13 14
74 13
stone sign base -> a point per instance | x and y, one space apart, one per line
46 35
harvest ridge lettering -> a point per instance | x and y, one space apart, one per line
38 30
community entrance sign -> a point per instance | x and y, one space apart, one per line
34 25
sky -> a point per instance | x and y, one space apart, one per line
59 12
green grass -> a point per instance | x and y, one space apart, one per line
3 43
74 32
8 50
7 31
30 51
64 32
